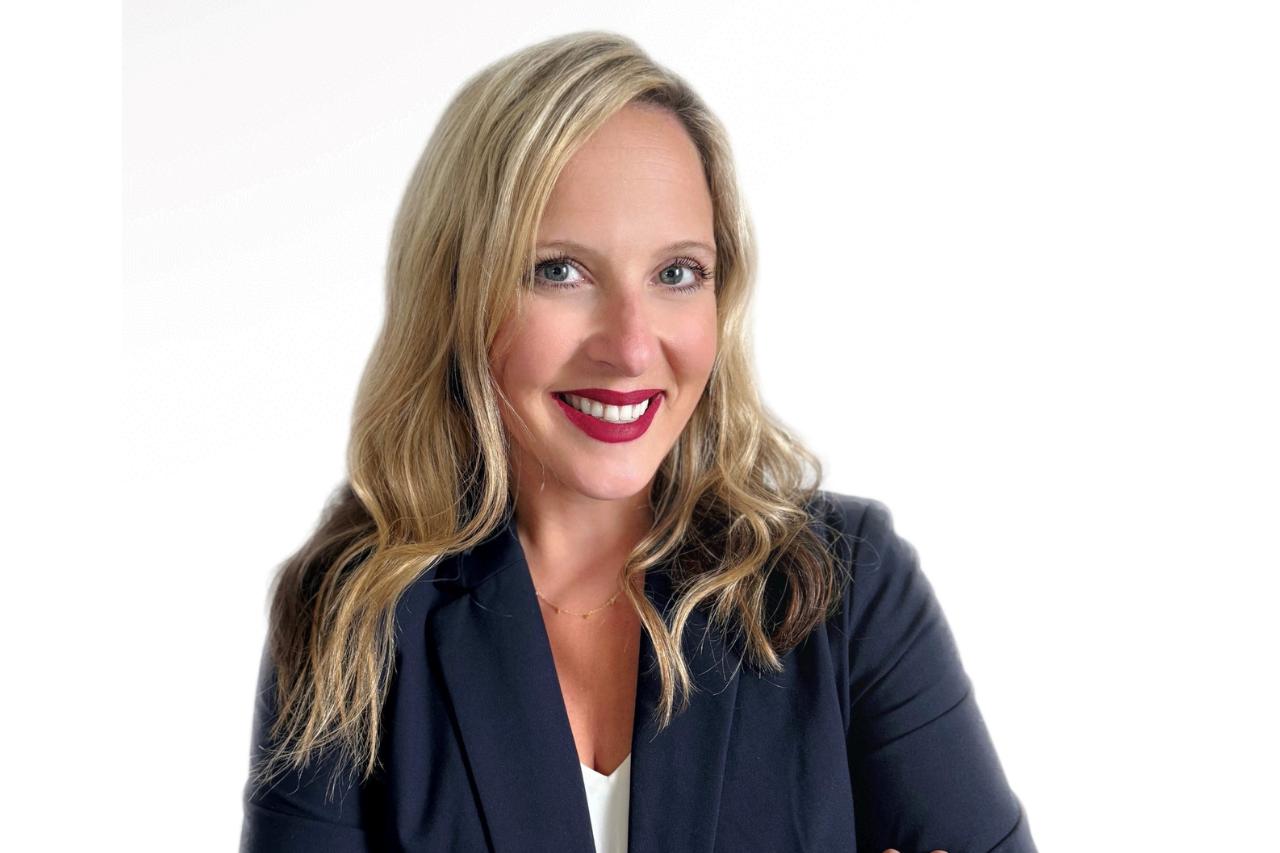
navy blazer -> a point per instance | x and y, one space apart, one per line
871 738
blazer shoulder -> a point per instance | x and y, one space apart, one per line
875 561
852 519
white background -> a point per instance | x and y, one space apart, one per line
1018 271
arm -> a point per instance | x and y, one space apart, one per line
924 770
292 813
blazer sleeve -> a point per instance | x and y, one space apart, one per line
293 813
924 770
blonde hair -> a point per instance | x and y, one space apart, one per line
428 458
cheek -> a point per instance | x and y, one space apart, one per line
699 341
532 353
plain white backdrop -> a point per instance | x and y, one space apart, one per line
1018 280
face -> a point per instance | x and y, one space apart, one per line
623 309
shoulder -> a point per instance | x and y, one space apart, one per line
880 566
855 524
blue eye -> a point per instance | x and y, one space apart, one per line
703 275
558 264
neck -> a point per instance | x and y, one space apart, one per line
575 548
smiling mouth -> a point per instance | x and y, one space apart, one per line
609 423
607 413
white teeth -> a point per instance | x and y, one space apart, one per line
612 414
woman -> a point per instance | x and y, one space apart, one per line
578 593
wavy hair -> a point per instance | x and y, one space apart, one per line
428 461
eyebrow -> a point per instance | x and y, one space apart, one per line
680 246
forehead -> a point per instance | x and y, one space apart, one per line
638 177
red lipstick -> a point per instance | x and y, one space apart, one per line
602 430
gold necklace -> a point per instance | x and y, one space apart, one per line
589 612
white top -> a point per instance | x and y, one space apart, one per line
609 798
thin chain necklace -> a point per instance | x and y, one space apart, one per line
589 612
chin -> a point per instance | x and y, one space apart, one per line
611 488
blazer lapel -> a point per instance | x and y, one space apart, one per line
498 668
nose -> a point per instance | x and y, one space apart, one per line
625 338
